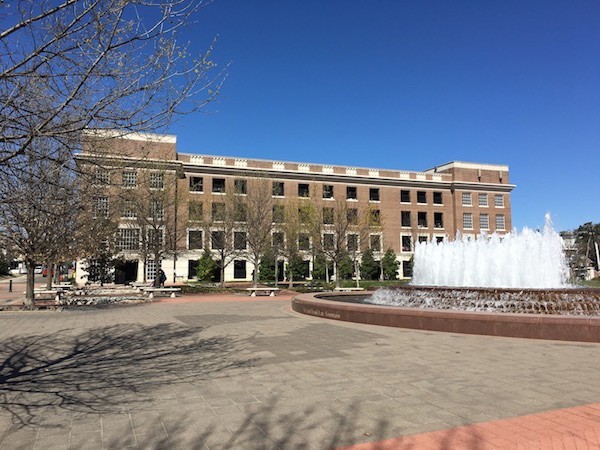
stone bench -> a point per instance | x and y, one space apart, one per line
348 289
254 291
47 294
158 290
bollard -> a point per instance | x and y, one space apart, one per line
10 285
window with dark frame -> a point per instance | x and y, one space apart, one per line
240 186
327 191
239 269
422 219
375 241
439 239
303 190
438 220
437 198
196 211
303 241
328 216
278 240
328 241
352 240
218 185
405 196
375 217
405 218
421 197
351 193
278 213
423 239
352 214
218 212
374 194
195 240
196 184
278 189
406 243
217 240
239 240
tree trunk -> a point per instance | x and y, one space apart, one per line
255 277
357 271
222 268
337 274
29 293
291 283
49 275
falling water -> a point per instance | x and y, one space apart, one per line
529 259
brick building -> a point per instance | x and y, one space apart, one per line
433 204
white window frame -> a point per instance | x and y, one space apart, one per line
482 225
483 200
464 224
129 179
201 241
502 226
156 181
467 199
412 243
498 204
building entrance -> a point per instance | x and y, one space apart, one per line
126 272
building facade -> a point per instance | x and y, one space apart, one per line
411 207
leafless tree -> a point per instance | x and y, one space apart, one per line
70 65
259 221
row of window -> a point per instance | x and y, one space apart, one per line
129 178
484 221
482 200
218 241
328 192
406 219
156 209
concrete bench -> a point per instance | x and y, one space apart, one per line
165 290
348 289
46 294
254 291
139 285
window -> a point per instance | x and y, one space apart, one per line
128 239
437 198
155 238
100 208
328 241
157 181
439 239
218 185
351 193
278 189
101 176
423 239
467 221
218 212
499 201
129 179
421 197
240 187
278 240
406 243
352 242
196 211
466 199
278 214
150 269
239 268
157 210
304 214
240 213
303 241
129 210
422 219
438 220
405 218
484 221
328 216
239 240
375 217
482 199
375 241
327 191
217 240
195 239
405 196
196 184
352 214
303 190
500 222
374 194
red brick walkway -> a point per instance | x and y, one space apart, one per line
570 428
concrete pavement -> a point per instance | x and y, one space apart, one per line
236 372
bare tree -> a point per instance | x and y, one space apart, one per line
259 222
70 65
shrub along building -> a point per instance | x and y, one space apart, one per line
173 207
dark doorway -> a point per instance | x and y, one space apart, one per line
192 268
126 272
280 270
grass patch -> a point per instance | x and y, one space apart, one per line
591 283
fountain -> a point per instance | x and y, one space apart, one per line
513 285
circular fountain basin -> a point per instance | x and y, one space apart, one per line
575 313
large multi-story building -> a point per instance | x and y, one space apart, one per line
432 205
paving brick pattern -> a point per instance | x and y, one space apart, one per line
234 372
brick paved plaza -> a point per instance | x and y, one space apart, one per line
235 372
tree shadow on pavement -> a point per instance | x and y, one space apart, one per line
107 370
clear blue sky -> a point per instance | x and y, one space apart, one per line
409 85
